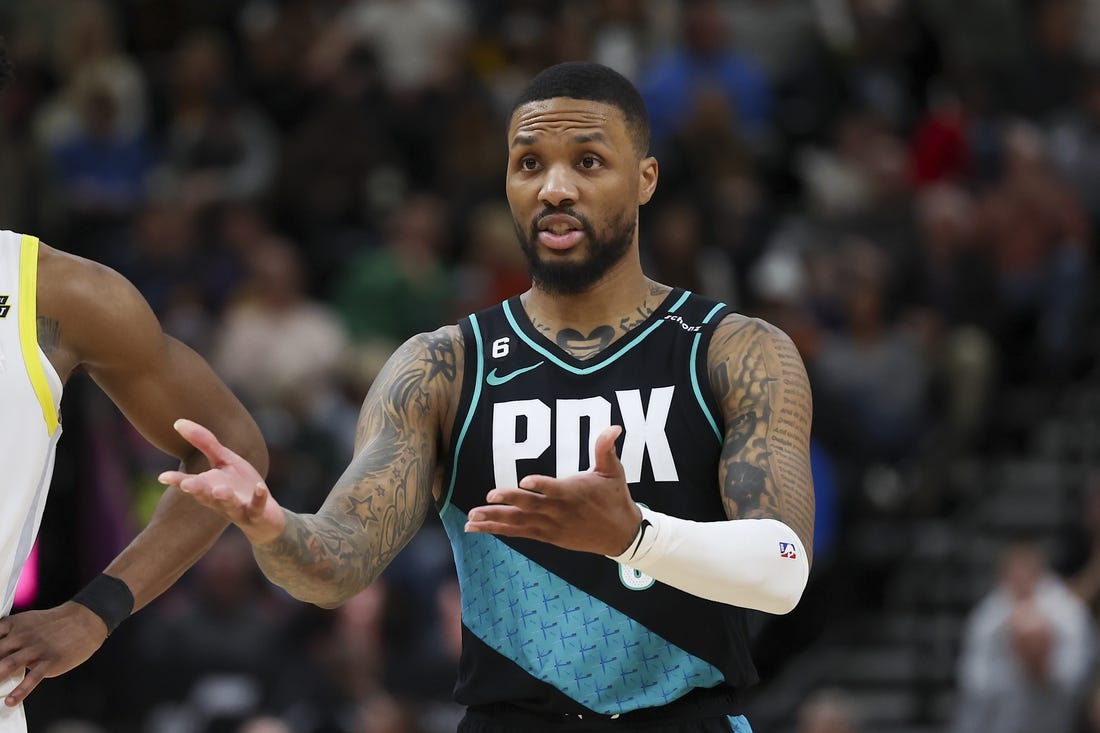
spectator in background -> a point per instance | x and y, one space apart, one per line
209 658
277 345
401 288
493 268
874 367
1074 143
220 146
1026 651
88 52
828 711
99 170
705 61
1040 244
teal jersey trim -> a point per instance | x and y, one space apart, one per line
695 376
559 634
740 724
595 367
469 414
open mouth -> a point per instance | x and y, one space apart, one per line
559 231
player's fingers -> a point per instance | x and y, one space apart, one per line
607 459
197 486
510 524
16 662
502 513
170 478
24 688
528 500
256 506
205 441
5 627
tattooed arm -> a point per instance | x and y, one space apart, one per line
760 382
760 558
375 507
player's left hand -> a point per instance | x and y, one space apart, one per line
47 644
590 511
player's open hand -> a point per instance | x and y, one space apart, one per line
46 644
590 511
232 486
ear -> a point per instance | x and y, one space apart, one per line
647 179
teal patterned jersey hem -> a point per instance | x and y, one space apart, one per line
561 635
740 724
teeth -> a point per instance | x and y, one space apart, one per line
561 229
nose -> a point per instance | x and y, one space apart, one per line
558 188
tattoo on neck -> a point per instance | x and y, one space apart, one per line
49 333
585 347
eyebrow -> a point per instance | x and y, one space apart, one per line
520 141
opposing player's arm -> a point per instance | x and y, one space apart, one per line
760 557
90 316
382 497
760 382
98 316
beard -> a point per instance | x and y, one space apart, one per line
572 278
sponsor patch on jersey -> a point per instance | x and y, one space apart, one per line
4 307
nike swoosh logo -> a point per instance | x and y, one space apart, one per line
494 381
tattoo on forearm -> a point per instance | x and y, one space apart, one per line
764 392
382 498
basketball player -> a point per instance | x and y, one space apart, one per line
622 467
60 313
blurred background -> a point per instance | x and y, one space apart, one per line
910 188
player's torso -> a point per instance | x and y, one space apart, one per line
566 631
30 392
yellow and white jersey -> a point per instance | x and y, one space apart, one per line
30 395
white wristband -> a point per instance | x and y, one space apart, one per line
752 563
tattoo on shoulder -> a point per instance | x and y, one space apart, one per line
49 333
761 384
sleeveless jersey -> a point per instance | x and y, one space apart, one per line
558 631
30 392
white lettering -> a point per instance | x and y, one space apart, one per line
569 414
647 432
507 448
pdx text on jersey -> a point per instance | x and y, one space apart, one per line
561 425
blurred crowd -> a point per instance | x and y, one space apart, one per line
909 188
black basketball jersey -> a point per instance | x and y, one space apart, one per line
560 631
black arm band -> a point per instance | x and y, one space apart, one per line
109 598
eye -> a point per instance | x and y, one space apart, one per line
590 162
528 164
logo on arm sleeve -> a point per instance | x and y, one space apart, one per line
4 307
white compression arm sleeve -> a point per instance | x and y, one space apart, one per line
752 563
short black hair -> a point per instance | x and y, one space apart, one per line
594 82
7 69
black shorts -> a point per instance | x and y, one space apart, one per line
479 722
711 710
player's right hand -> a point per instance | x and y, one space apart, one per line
46 644
232 486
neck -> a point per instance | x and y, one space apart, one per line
587 322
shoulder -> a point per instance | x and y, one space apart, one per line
431 360
95 308
73 286
64 277
737 333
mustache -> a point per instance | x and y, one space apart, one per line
565 210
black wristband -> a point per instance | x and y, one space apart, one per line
109 598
